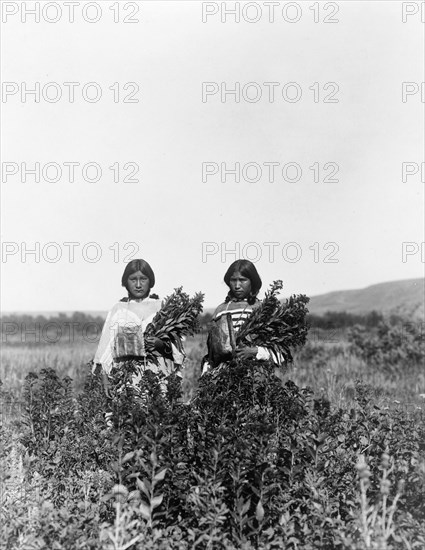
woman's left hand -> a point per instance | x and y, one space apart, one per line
246 352
157 343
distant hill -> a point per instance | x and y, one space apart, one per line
405 298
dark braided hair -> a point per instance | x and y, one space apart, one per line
138 265
246 269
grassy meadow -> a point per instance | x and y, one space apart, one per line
374 412
325 365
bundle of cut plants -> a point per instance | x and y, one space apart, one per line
280 326
178 317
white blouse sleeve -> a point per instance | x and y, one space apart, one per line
264 354
104 349
178 356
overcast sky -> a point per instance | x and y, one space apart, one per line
343 118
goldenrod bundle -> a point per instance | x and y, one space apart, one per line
278 326
177 317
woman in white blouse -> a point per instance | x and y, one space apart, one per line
122 336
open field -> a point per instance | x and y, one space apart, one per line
55 495
325 365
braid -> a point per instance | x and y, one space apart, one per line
229 297
252 298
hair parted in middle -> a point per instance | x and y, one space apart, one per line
138 265
246 269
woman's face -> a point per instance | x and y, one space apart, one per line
240 286
138 285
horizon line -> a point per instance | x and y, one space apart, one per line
99 311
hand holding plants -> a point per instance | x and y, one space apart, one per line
246 352
156 343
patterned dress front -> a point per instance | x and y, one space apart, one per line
238 311
133 317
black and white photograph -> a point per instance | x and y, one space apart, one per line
212 275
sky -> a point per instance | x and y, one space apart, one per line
327 149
